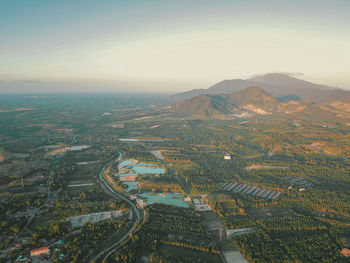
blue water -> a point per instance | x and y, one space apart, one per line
147 164
126 163
148 170
167 199
144 168
131 186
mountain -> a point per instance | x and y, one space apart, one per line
205 106
228 86
252 99
277 85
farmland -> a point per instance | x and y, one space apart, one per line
295 198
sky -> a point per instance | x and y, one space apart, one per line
169 46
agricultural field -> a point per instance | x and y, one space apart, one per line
173 230
292 210
250 190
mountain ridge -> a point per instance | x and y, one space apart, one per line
277 85
250 100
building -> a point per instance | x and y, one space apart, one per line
201 205
227 157
40 251
187 199
345 252
141 203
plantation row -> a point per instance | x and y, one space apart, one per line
289 246
246 189
170 226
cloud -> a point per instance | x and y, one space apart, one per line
291 74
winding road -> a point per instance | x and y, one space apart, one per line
136 212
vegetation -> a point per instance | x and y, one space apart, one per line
43 181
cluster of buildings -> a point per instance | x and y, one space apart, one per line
45 254
201 204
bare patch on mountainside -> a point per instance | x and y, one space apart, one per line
340 105
257 110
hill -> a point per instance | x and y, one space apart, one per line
252 99
277 85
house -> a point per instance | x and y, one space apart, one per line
141 203
40 251
345 252
187 199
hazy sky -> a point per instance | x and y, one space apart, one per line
169 45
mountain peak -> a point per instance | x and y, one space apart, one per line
255 90
276 84
287 82
275 75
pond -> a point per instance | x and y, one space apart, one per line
148 164
174 199
130 167
148 169
126 163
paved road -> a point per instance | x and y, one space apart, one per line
136 212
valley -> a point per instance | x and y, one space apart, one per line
240 176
